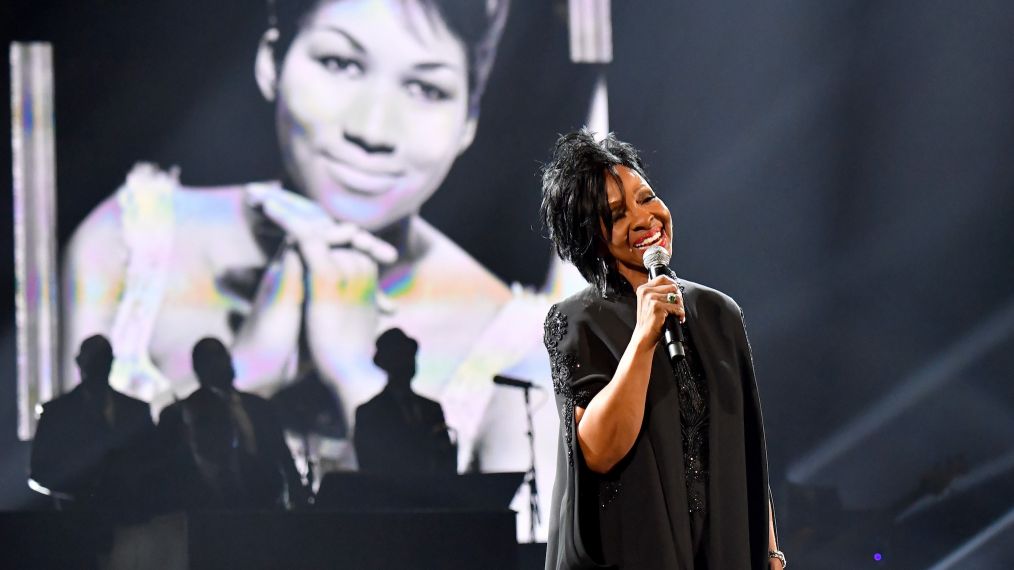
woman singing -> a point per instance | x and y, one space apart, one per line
662 464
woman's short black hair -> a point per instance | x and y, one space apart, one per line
574 202
478 24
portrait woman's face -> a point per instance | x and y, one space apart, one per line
372 108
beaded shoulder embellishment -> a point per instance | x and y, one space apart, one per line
562 368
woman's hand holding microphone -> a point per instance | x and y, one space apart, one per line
656 300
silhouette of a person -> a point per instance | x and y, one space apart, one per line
226 448
399 431
89 442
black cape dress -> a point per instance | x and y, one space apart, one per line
637 515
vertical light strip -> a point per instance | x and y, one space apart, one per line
591 31
34 173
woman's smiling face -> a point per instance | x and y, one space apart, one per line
373 108
640 220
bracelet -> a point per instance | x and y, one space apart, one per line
779 555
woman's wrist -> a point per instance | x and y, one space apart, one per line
644 341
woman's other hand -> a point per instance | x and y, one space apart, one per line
340 280
308 225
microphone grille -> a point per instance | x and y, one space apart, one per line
655 255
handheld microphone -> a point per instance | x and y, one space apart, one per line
656 261
513 382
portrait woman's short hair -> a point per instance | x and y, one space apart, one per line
575 206
478 24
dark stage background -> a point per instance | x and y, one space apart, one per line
844 170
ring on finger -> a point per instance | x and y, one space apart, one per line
671 298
